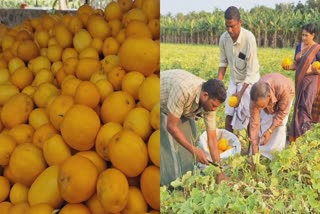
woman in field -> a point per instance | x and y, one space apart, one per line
307 83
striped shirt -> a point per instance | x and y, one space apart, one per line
241 56
180 96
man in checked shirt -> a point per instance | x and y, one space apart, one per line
184 96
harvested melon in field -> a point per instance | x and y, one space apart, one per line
223 144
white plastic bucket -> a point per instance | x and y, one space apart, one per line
221 133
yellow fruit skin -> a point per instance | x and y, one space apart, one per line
19 193
45 188
105 134
5 206
8 144
77 179
149 182
137 120
86 67
80 136
127 147
16 110
140 54
5 188
233 101
149 91
94 205
95 158
26 163
316 65
6 92
113 190
136 202
116 106
74 209
223 144
154 147
155 116
55 150
286 62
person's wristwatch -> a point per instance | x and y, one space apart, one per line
270 131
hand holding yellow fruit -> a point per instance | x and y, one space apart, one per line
315 67
233 101
286 63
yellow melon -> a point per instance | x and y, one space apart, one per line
80 136
77 179
16 110
113 190
45 188
140 54
127 147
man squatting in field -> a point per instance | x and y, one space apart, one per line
184 96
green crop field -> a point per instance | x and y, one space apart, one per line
290 183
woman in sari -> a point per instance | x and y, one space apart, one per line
307 83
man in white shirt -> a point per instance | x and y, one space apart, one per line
238 49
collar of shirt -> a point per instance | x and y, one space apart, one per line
239 39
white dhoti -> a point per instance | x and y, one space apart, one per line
278 138
241 114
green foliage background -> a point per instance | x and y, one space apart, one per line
290 183
273 27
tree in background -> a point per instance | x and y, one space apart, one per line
279 27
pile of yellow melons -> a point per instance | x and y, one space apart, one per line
79 111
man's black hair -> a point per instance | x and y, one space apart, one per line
215 89
232 13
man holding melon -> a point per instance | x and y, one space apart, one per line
183 97
271 101
238 49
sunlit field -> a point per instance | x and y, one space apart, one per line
287 184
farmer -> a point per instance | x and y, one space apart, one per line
307 78
239 50
271 101
184 97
